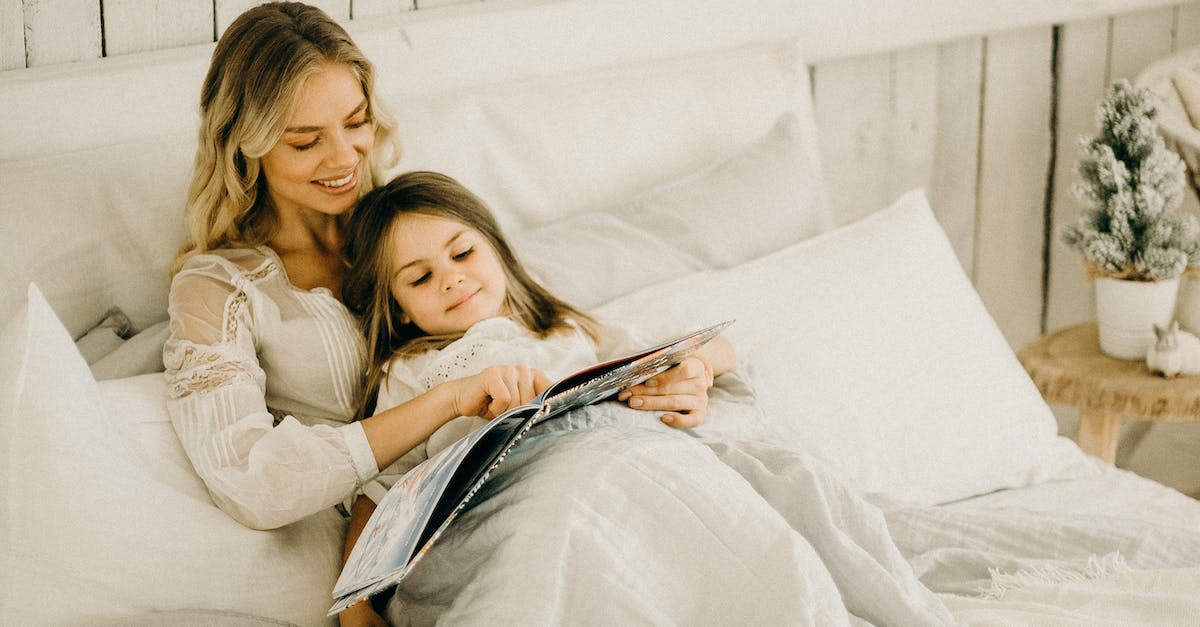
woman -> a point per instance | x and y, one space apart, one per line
264 362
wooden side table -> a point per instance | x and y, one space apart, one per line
1068 367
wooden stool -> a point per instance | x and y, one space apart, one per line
1068 367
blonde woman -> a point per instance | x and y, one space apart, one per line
264 363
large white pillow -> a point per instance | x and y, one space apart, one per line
871 348
700 221
102 520
765 197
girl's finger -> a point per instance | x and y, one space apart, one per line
540 381
499 393
525 386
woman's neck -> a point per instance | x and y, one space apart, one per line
307 232
310 248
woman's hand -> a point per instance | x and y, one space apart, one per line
361 614
496 390
681 391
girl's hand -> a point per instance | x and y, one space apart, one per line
496 390
681 391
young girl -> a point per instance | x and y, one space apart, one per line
445 302
452 317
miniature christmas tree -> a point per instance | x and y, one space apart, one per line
1132 186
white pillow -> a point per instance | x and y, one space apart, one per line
592 258
98 529
117 221
872 349
765 196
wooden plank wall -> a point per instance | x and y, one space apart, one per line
987 124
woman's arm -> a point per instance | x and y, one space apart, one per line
495 390
218 408
718 353
362 613
682 391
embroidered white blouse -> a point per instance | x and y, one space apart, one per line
263 378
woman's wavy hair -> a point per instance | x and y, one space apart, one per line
366 287
254 80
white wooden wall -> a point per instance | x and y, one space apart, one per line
989 126
987 123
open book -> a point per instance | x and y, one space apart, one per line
423 503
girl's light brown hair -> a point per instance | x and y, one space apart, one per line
366 287
254 80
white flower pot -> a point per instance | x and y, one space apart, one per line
1127 312
1187 311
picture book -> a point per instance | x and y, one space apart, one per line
425 501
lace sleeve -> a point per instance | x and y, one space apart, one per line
207 349
263 474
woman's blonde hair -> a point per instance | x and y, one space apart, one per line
254 80
366 287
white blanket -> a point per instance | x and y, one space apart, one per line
1015 566
1161 597
629 522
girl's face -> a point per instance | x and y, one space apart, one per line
319 162
446 276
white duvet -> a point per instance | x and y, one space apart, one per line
604 518
627 522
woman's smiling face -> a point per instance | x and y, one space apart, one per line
320 161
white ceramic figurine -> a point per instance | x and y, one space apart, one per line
1175 353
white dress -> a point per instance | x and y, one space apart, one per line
263 378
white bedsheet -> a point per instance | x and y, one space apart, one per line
627 522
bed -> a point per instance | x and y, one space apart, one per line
673 178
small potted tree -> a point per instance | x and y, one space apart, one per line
1134 240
